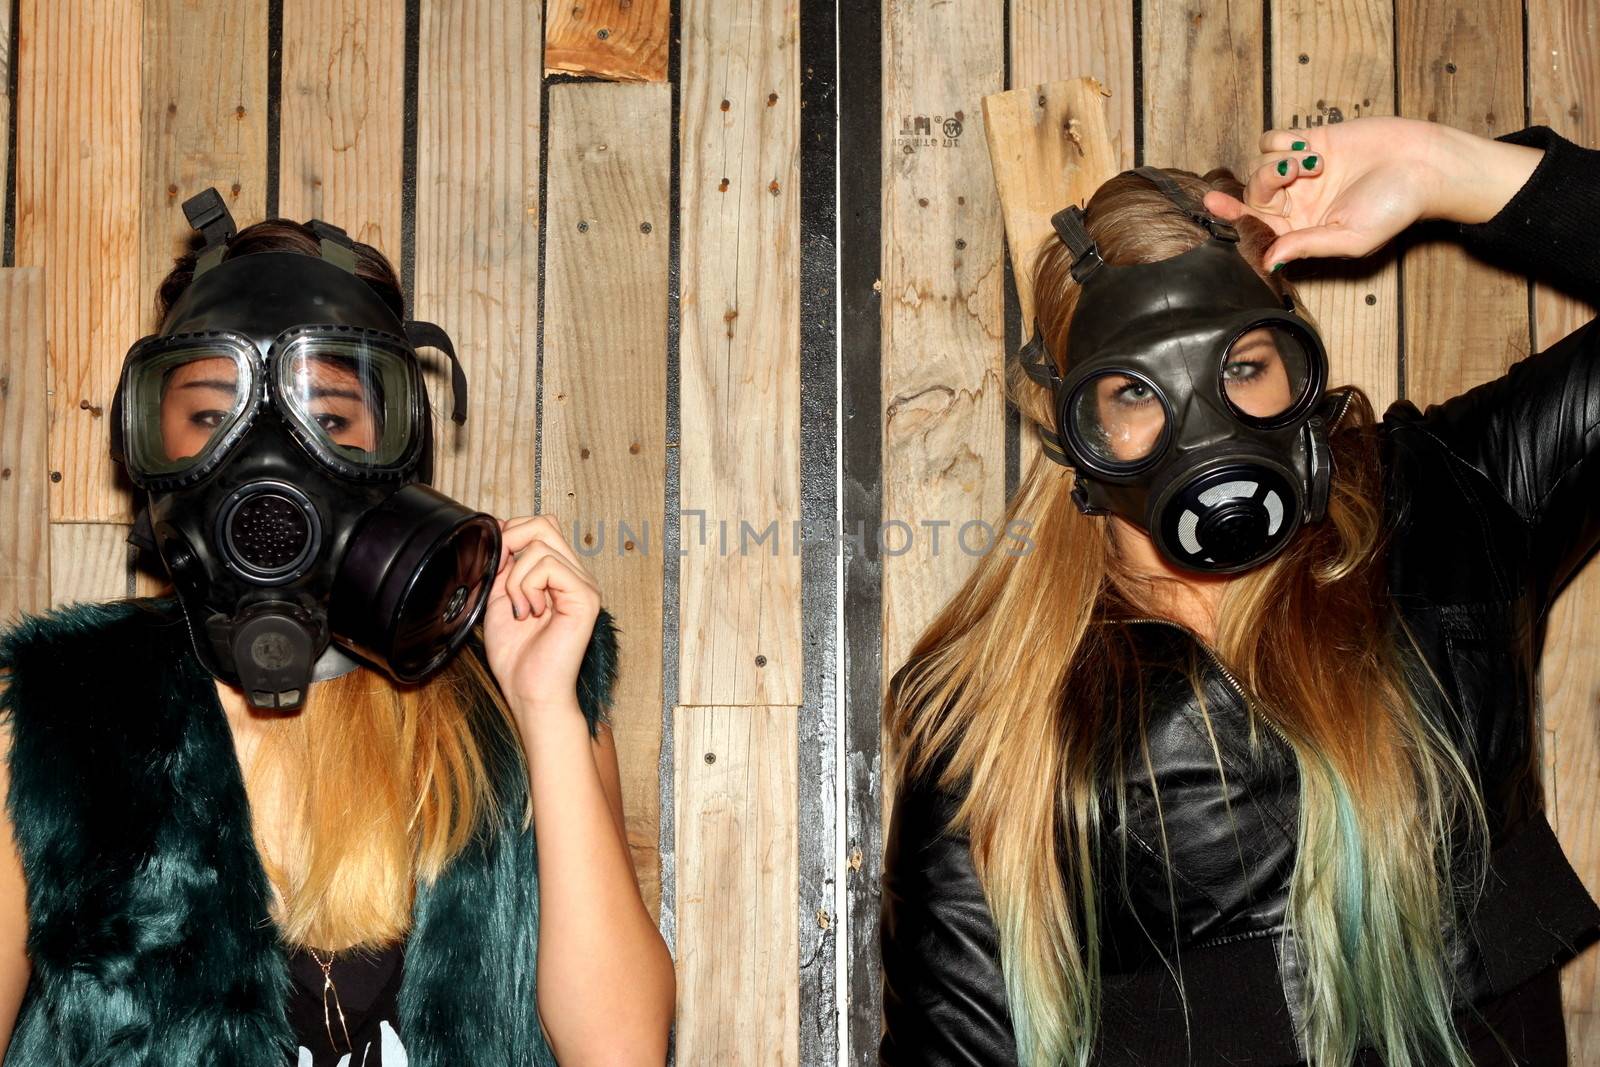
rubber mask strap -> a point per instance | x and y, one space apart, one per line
429 335
337 248
1068 224
208 213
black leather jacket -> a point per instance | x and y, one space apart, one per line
1494 499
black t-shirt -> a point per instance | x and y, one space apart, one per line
366 985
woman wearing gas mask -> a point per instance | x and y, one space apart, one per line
1242 769
308 812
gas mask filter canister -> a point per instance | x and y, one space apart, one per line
1196 405
279 424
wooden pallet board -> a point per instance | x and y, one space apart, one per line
625 40
204 124
342 117
1564 94
478 241
605 395
24 445
77 216
735 797
739 354
1332 62
1465 321
943 339
1204 84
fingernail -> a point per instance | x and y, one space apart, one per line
1283 166
1297 146
1277 266
1310 162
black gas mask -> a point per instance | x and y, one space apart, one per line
280 426
1195 405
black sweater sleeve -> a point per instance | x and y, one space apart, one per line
1534 432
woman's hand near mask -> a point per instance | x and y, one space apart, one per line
595 935
1349 187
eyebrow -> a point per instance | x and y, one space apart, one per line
221 385
1248 345
320 392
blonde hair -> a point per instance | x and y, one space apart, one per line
1025 720
387 784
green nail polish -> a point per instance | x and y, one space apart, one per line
1283 166
1311 161
1297 146
1276 267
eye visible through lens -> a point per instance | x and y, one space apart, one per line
1120 417
338 399
1263 373
197 398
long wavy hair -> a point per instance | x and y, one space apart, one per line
1387 806
386 783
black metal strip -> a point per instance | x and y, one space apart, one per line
861 218
671 505
1138 83
1399 246
408 153
1012 316
1266 67
10 254
819 587
274 103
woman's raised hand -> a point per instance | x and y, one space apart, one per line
1346 191
541 613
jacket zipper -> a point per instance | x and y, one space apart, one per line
1227 675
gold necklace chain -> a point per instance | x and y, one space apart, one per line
327 988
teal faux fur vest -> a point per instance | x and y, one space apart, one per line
147 903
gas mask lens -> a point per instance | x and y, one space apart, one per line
1265 373
1118 419
183 401
353 399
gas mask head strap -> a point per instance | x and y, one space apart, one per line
429 335
208 213
337 248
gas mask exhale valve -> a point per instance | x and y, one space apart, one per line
1195 402
279 424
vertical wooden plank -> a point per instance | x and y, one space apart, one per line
943 338
1331 62
1465 321
739 353
738 1000
621 39
341 119
204 123
1564 94
24 444
605 389
478 240
77 216
1203 83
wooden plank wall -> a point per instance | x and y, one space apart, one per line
1190 85
601 201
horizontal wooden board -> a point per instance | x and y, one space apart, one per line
621 39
